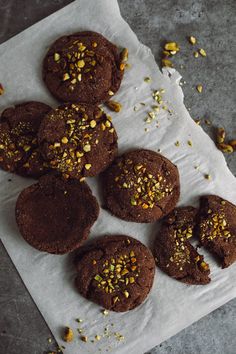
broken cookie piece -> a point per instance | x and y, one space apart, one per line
173 252
217 228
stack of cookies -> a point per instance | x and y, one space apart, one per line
64 145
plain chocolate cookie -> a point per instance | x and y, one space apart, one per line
116 272
55 215
217 228
78 140
19 150
173 252
141 186
83 67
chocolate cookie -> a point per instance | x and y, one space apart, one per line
19 150
116 272
78 140
217 228
173 252
55 215
83 67
141 186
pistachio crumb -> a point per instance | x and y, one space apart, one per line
172 46
190 143
64 140
84 338
202 52
105 312
68 335
199 88
192 40
167 63
93 123
196 55
207 176
66 77
147 79
88 166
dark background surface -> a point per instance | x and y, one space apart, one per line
22 328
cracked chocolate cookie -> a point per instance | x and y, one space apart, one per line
173 252
55 215
83 67
19 151
78 140
217 228
116 272
141 186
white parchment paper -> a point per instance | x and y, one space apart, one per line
171 306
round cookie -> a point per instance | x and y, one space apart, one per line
141 186
19 151
217 228
55 215
83 67
173 252
116 272
78 140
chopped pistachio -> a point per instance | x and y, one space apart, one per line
199 88
207 176
68 335
93 123
87 148
66 77
114 106
126 293
177 143
64 140
196 55
190 143
202 52
233 143
170 46
124 55
167 63
192 40
97 337
220 135
105 312
88 166
98 278
227 148
147 79
81 63
57 56
84 338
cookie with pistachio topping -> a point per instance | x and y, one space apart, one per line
141 186
55 215
19 151
83 67
116 272
173 252
78 140
217 228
